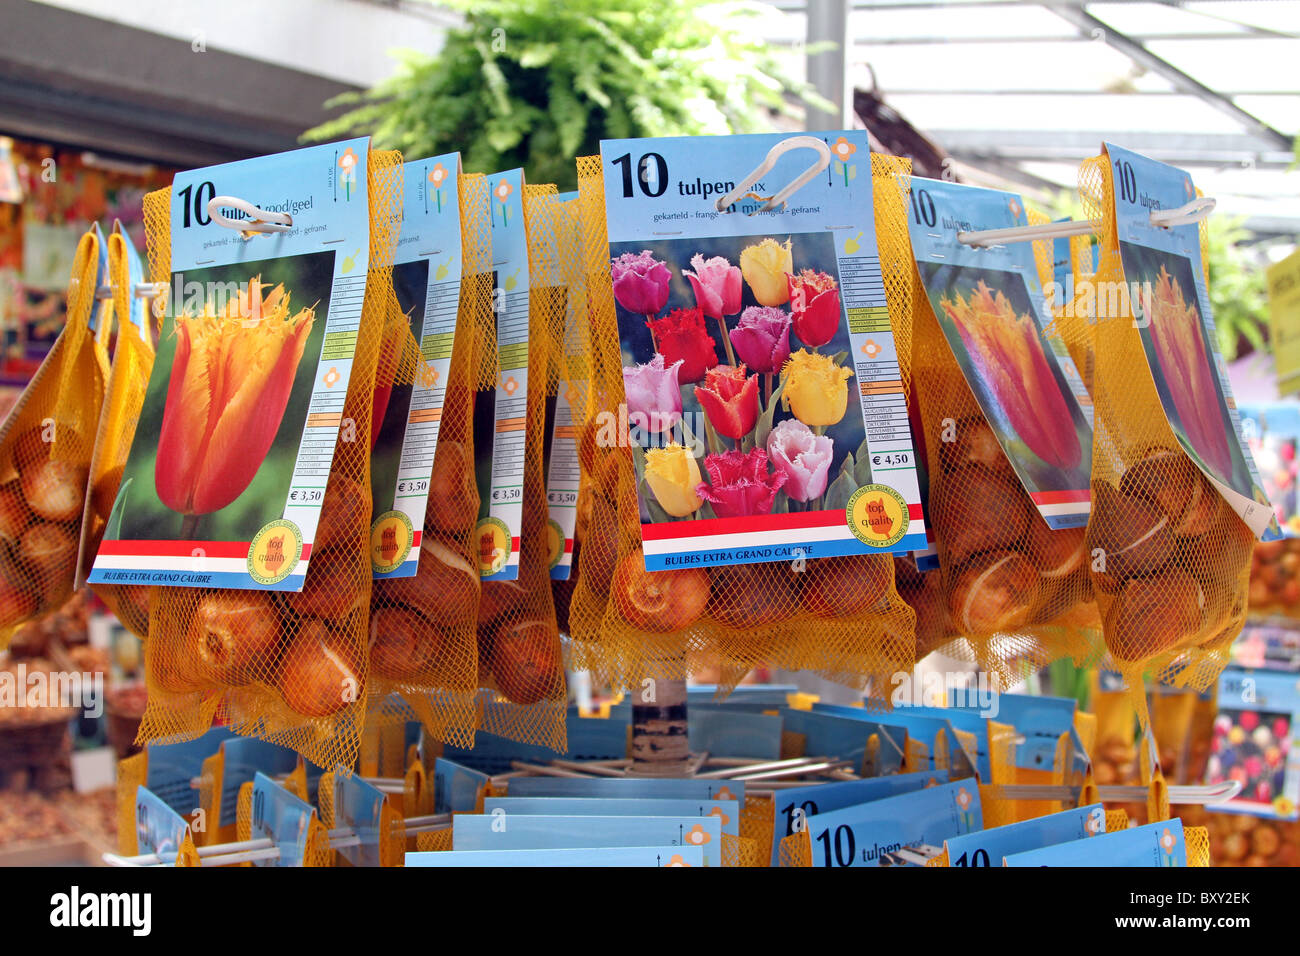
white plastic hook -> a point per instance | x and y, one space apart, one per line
259 220
1048 230
1191 212
773 154
1184 215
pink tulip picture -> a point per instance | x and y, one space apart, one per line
762 338
653 394
640 282
803 457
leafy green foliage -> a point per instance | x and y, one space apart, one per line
1238 289
535 83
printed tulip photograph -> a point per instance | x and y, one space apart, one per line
738 376
1180 352
223 415
1017 378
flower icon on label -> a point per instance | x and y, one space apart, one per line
331 378
1015 208
718 812
348 170
510 385
726 794
676 860
438 175
963 798
843 149
502 190
1167 840
870 349
697 835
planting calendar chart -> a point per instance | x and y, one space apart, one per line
426 280
227 471
562 275
762 379
501 487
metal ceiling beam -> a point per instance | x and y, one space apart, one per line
798 6
1044 38
1089 25
1200 149
935 91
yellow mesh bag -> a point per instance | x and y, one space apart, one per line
1173 584
519 641
437 680
131 773
132 362
433 841
45 449
795 850
1014 591
289 668
570 375
840 617
756 822
1198 845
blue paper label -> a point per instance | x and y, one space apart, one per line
792 808
728 811
869 834
282 818
503 831
358 804
988 847
620 787
1156 844
500 414
661 856
781 327
456 788
407 413
158 828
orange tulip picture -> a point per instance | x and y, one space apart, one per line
1184 360
231 377
1007 353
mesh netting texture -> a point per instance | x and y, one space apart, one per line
46 444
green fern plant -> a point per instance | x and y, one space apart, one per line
534 83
